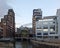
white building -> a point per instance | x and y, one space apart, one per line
48 27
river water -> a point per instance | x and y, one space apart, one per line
24 45
21 44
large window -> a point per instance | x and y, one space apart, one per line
38 17
52 32
45 33
45 29
38 33
38 30
52 28
51 22
45 23
39 36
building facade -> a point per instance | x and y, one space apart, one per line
48 27
8 24
37 14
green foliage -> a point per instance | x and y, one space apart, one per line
24 33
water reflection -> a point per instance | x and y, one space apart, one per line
23 45
6 45
17 45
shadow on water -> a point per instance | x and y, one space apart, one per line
23 44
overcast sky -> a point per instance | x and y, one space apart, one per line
23 8
3 7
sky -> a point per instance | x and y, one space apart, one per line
24 9
3 8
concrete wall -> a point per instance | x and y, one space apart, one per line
58 19
58 26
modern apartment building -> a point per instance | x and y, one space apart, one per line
8 24
37 14
48 27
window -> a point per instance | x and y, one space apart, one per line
38 33
52 28
45 27
1 30
52 33
45 30
39 36
56 37
39 28
51 22
45 22
45 33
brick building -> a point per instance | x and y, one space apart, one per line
1 29
8 24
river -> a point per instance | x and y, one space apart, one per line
23 45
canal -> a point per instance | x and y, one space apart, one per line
24 45
21 44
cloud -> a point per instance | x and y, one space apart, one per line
3 8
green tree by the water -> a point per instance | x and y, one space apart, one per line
24 33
